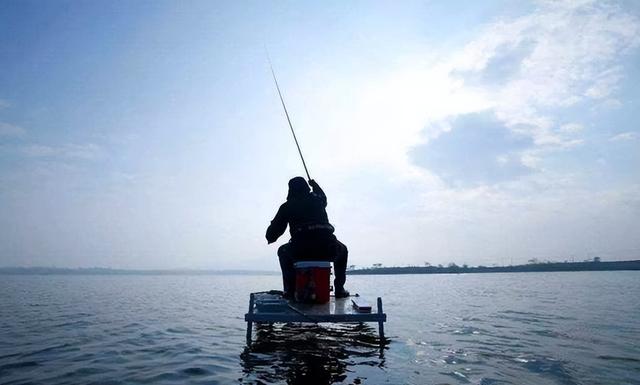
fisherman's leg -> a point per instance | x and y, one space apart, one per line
340 267
285 255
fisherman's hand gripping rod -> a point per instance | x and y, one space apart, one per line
287 114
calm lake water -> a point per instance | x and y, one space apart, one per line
521 328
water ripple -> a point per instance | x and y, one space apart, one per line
482 329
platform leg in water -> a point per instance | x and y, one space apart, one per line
380 322
249 323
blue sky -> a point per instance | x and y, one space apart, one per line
150 135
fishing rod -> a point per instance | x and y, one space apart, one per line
287 114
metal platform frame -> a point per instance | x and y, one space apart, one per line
312 314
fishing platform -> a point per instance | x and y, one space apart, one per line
271 307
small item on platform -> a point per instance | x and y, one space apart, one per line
272 305
361 305
312 281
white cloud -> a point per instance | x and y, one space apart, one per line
561 55
571 127
625 136
86 151
564 55
605 83
612 103
38 151
7 129
562 65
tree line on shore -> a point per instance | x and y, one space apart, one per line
533 266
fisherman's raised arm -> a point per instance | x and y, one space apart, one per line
278 225
318 191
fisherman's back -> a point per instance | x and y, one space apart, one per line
304 212
312 235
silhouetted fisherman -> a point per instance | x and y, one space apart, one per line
312 236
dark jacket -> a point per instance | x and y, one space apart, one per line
304 212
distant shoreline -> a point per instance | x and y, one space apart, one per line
107 271
452 269
529 268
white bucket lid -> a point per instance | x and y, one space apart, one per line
308 264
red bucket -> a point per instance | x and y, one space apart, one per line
312 281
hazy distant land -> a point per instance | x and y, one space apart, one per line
452 268
109 271
595 265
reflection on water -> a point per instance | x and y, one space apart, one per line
307 353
